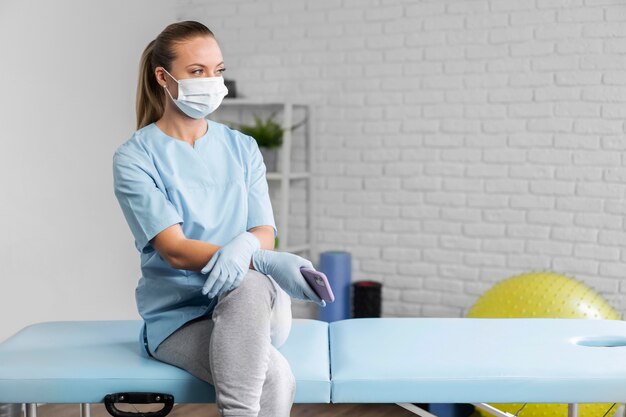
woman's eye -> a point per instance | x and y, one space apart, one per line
195 71
221 70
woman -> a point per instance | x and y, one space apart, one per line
195 196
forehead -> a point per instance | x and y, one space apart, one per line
198 50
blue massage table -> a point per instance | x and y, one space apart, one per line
366 360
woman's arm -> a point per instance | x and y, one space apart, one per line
265 234
180 252
193 255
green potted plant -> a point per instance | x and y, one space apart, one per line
268 134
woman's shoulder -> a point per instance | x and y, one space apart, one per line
233 135
136 146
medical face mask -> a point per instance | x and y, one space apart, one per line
198 97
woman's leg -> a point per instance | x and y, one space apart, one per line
187 348
240 349
279 388
280 324
253 378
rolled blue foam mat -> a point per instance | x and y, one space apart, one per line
337 266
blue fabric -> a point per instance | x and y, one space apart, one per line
214 190
72 362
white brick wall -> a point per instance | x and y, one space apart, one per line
460 142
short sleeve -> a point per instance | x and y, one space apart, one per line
259 205
146 207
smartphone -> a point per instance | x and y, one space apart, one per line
318 281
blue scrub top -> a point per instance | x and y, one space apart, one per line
215 191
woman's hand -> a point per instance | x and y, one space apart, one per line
229 264
284 267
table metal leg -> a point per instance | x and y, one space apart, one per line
417 410
31 410
492 410
572 410
85 410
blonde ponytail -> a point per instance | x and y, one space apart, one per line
150 102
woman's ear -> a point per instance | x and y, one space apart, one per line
159 74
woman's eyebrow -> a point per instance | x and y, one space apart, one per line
203 66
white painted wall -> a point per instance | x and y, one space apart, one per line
68 73
460 141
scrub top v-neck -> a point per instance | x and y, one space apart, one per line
215 190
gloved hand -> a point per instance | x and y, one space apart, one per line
284 267
229 264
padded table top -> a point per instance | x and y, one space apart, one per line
379 360
82 361
474 360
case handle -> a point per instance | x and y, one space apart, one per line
138 398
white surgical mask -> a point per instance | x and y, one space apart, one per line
198 97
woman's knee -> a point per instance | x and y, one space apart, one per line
255 291
254 284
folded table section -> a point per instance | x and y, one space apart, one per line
463 360
82 361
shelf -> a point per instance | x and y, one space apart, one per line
284 178
277 176
256 102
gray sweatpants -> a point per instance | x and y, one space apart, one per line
235 350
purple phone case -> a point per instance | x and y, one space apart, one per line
318 281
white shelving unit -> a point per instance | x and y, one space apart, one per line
284 177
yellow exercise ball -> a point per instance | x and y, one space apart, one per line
544 295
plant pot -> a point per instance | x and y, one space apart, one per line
270 158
